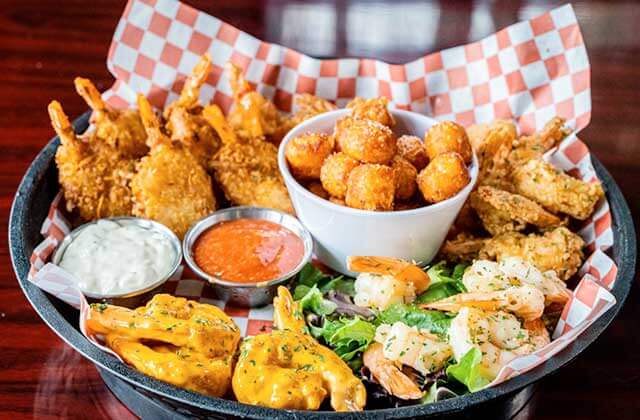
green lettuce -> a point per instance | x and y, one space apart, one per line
444 283
314 302
433 321
348 338
468 371
311 276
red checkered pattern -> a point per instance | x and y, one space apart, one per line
530 72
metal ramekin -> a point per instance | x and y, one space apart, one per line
243 294
136 297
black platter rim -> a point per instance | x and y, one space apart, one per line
623 253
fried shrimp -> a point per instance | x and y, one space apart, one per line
405 176
186 343
335 172
184 116
559 250
247 168
306 154
556 191
412 149
499 336
288 369
122 131
534 146
371 187
170 185
443 178
94 180
375 109
365 140
252 115
308 107
502 211
446 137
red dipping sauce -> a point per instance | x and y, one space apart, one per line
248 251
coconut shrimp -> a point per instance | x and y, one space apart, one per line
122 131
288 369
384 281
94 181
170 186
184 117
498 335
253 115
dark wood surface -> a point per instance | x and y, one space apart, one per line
43 45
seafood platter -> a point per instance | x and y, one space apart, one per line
238 236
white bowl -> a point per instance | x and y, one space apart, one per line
340 231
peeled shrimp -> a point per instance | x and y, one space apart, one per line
498 335
384 281
389 375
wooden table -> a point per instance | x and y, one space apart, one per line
44 45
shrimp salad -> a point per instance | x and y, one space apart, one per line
417 335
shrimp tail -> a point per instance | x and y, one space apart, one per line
61 124
88 91
400 269
387 373
191 89
287 314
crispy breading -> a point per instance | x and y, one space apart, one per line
94 177
307 152
365 140
371 187
559 250
375 109
412 149
534 146
463 248
556 191
493 155
502 211
335 172
445 137
308 106
445 176
170 186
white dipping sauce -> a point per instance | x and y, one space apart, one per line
108 258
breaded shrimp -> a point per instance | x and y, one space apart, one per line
365 140
446 137
371 187
308 107
502 211
443 178
170 187
557 191
375 109
412 149
247 169
185 123
122 131
306 153
335 172
534 146
93 179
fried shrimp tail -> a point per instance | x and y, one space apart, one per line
191 89
61 125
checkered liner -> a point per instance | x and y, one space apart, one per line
529 72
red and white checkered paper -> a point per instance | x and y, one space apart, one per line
529 72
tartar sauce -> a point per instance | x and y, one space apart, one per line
107 258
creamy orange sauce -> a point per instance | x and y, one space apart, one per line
248 250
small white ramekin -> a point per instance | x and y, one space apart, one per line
339 231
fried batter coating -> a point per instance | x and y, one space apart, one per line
186 343
375 109
170 187
338 201
371 187
502 211
247 169
309 106
494 153
253 115
443 178
531 147
365 140
307 152
462 248
405 175
335 172
478 132
445 137
94 179
316 188
559 250
556 191
185 123
122 131
412 149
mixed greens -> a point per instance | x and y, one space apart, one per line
348 329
